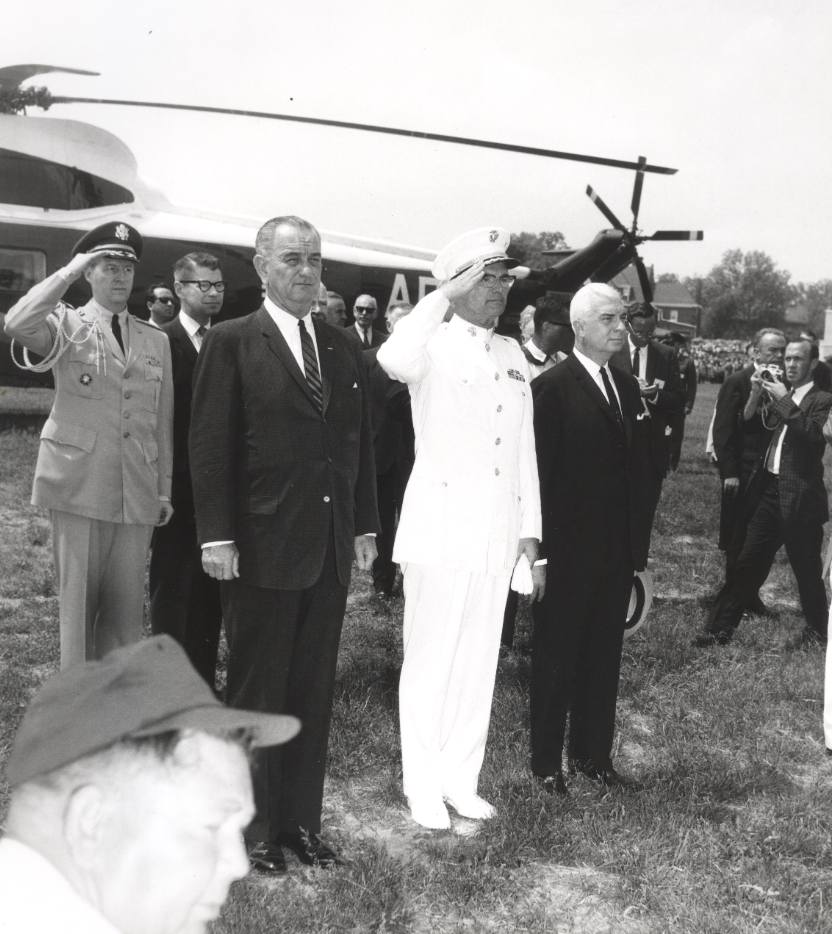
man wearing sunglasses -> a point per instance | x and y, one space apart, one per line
470 511
365 311
184 600
159 300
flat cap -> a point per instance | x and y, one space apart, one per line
486 244
114 238
139 690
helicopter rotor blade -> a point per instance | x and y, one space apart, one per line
639 183
677 235
644 279
596 199
12 76
438 137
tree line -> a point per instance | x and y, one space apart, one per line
741 294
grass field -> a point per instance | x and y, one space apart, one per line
732 832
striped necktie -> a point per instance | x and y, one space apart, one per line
310 365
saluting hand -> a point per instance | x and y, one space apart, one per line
463 283
221 561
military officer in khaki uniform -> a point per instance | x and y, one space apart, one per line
104 465
471 509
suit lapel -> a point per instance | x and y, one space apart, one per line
590 387
326 358
278 346
650 364
620 385
186 345
623 359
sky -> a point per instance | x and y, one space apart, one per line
736 94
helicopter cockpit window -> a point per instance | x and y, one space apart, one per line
31 182
21 269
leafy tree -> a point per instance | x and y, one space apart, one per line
527 247
667 277
744 293
818 297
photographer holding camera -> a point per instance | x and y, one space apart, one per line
789 497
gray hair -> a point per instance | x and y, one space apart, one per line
264 241
762 333
591 298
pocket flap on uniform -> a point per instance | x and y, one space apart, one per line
151 451
78 437
263 505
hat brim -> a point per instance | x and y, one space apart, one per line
641 600
117 254
267 729
507 261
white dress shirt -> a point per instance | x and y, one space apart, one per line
105 319
595 372
797 396
288 326
192 329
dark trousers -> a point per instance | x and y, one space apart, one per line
384 569
283 649
766 532
576 658
184 600
677 435
510 618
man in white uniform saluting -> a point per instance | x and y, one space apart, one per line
471 509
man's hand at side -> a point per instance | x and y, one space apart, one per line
221 561
365 552
529 548
165 513
731 485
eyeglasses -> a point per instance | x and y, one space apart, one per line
164 301
505 281
362 308
205 285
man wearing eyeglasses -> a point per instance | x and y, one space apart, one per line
656 367
365 311
159 301
470 511
184 600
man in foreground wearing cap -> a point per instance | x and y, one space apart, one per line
471 510
130 793
104 465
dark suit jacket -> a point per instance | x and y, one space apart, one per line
690 380
662 364
376 337
738 444
270 471
387 431
589 471
802 493
183 357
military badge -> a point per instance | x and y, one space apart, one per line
514 374
472 332
493 235
122 232
152 361
85 379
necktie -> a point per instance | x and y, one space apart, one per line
366 339
117 333
775 442
611 398
636 359
310 365
201 331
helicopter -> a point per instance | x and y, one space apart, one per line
60 178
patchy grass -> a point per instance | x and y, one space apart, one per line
732 832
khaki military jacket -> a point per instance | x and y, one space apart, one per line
473 493
106 448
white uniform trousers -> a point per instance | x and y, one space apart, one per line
100 567
452 626
827 687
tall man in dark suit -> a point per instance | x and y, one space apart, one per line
589 462
791 501
184 600
741 439
687 371
656 368
365 311
282 465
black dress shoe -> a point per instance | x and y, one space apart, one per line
554 784
610 778
309 849
267 857
756 607
705 639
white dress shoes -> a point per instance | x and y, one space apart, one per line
430 812
472 806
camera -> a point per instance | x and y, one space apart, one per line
770 373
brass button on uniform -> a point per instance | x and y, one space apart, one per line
127 415
499 408
496 376
326 499
126 434
127 395
497 441
497 471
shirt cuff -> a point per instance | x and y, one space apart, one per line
164 499
370 534
211 544
540 561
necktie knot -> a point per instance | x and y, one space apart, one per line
116 326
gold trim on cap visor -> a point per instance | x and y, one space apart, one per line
493 258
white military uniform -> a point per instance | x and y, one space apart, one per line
103 465
472 495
